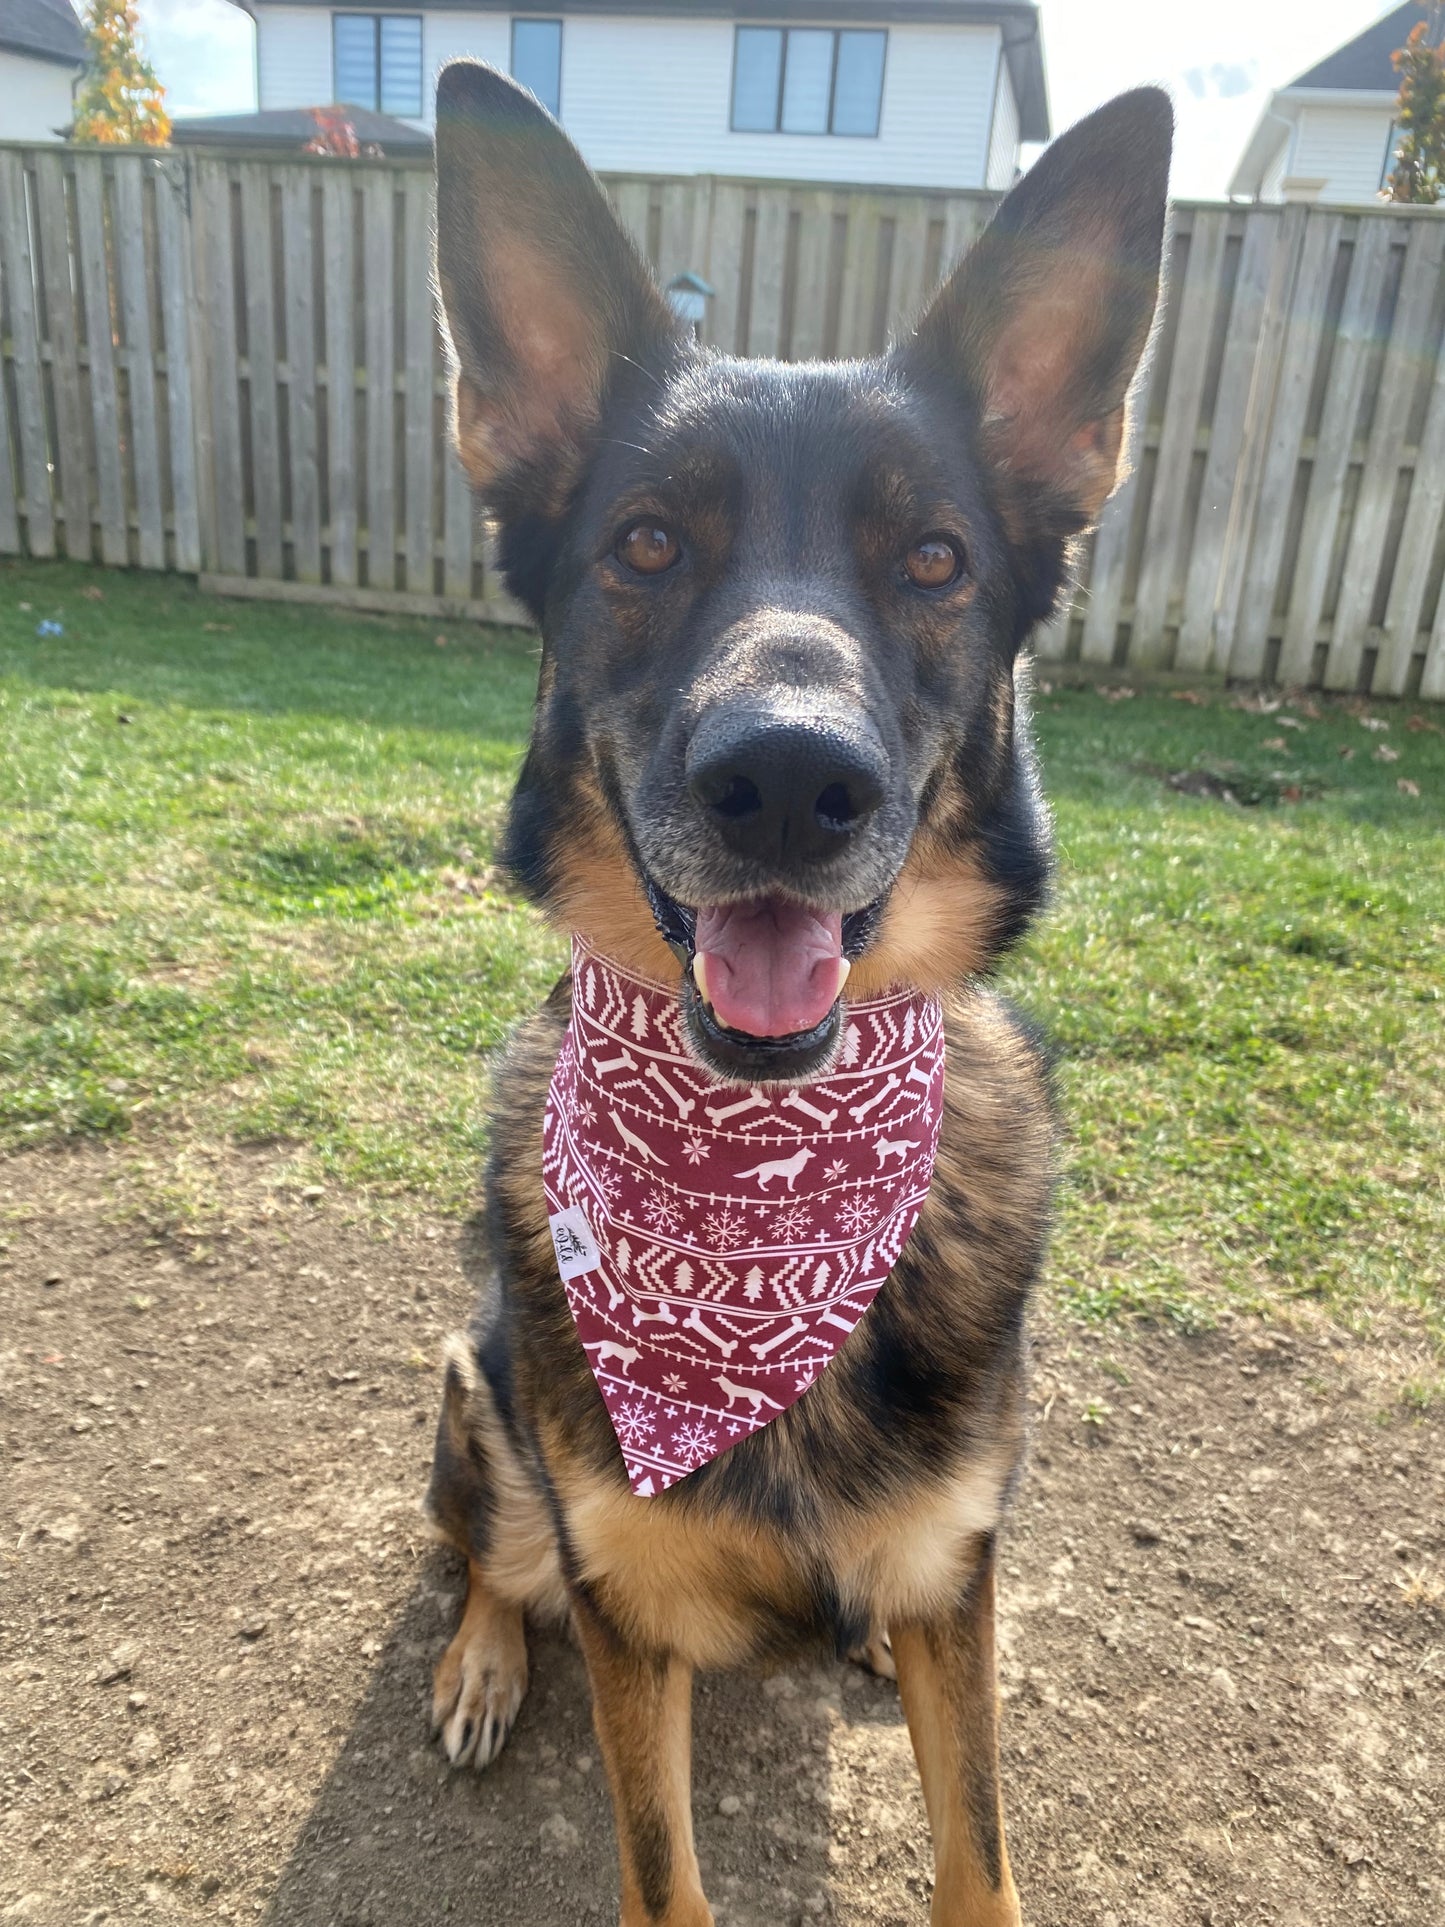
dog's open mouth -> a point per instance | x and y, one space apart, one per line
762 979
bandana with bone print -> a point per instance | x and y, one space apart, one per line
718 1242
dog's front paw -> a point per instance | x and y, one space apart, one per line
480 1684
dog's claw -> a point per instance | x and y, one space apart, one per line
479 1686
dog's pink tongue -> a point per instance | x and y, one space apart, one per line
769 967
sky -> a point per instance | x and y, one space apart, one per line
1220 61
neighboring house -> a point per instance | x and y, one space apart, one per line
909 93
42 52
1330 135
287 130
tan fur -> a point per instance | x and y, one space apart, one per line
946 1678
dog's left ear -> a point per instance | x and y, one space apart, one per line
546 301
1045 322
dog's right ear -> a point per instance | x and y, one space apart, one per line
544 297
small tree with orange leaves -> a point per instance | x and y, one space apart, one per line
1419 171
120 103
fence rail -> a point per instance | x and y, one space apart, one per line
229 367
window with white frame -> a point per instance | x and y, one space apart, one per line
376 62
537 60
808 80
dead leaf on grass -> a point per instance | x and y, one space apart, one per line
1406 788
1417 723
1273 742
1189 696
1384 754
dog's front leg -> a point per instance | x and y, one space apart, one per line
642 1708
947 1679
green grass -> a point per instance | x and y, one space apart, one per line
245 879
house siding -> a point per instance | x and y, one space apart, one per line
293 56
644 94
1345 148
37 96
1003 150
1271 182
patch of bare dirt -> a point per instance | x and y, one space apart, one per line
1224 1635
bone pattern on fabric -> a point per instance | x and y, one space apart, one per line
718 1242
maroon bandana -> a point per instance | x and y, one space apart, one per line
718 1242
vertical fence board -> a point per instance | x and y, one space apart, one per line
211 206
256 253
1379 479
910 254
175 270
71 453
337 221
299 263
9 506
725 266
380 335
1333 448
144 427
859 299
25 359
815 237
1165 532
95 287
770 243
420 407
460 533
1223 466
1284 431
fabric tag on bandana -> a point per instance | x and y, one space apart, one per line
718 1242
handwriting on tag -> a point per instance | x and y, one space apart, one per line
577 1249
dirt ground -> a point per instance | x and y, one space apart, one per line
1224 1634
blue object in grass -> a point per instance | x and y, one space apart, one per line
48 628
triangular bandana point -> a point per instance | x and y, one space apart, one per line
719 1242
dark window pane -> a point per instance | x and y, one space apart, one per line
401 65
537 60
354 46
757 68
858 84
807 80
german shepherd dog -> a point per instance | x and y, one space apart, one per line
782 611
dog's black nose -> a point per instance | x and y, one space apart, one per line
783 783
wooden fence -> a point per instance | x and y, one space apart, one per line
229 367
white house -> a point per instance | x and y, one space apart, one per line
912 93
1330 135
42 52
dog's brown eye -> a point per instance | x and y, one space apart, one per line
647 548
933 564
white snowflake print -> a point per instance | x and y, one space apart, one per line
791 1224
607 1182
661 1213
584 1113
694 1443
696 1149
675 1382
725 1228
633 1425
856 1216
837 1169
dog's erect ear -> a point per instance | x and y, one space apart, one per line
541 288
1047 318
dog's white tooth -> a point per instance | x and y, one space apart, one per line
699 975
844 967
